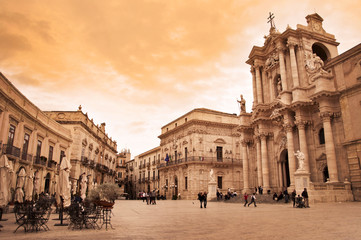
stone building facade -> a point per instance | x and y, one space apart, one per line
306 98
120 168
30 139
93 154
146 172
195 143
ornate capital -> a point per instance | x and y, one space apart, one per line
301 124
288 127
291 43
326 116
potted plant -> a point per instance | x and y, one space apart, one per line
104 194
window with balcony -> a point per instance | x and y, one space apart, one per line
51 152
219 154
11 135
38 149
25 146
185 154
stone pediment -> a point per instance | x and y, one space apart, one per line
220 140
321 157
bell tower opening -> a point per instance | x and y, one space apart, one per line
321 51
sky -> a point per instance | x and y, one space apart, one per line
137 65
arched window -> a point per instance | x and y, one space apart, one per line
321 51
321 136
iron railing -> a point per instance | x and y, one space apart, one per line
11 150
200 159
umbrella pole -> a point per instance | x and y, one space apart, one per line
1 215
61 211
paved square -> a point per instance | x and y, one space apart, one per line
185 220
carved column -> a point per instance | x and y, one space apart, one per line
245 165
265 169
259 84
259 162
330 146
291 151
280 175
303 143
291 45
282 69
254 85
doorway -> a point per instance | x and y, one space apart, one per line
285 170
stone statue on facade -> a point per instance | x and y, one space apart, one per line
314 67
211 176
279 86
272 61
301 159
242 104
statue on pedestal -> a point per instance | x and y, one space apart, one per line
242 104
211 176
301 159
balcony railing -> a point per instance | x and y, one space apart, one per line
84 160
91 164
26 157
51 164
11 150
199 159
39 160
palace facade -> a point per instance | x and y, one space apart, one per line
30 139
37 140
92 152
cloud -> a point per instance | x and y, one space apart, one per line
139 64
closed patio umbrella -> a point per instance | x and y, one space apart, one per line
29 186
5 169
84 185
19 193
64 184
37 182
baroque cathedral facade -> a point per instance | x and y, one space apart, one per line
304 129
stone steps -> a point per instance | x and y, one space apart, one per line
264 198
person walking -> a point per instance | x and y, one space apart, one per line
205 199
200 198
245 196
253 200
293 197
305 197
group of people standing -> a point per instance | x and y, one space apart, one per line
297 201
202 197
150 197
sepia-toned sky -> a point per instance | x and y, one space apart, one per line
139 64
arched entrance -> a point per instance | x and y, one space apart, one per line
284 169
325 174
47 183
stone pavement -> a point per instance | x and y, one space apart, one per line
185 220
